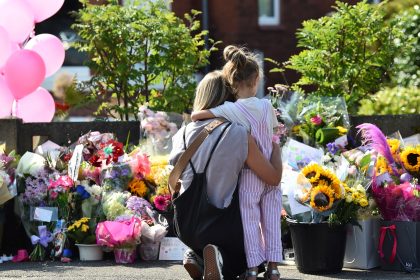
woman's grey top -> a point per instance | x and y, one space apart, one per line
226 163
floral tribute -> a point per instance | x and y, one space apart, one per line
395 184
70 190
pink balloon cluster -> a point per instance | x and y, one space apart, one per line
25 59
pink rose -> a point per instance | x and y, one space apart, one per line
317 120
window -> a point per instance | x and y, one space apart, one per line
268 12
374 1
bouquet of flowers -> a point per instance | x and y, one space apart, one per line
7 173
395 184
158 182
158 129
329 198
315 120
82 231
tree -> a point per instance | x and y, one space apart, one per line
349 53
141 53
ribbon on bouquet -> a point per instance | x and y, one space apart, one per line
383 231
44 237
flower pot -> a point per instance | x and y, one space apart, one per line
125 255
319 248
90 252
149 251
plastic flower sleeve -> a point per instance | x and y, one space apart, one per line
321 120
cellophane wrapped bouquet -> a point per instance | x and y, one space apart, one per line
8 164
395 184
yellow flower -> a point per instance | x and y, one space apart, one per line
341 130
382 166
312 172
394 145
138 187
363 202
332 180
410 158
85 228
349 198
322 198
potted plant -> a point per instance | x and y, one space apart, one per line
141 53
82 232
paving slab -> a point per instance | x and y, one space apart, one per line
107 269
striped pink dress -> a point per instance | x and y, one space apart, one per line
260 204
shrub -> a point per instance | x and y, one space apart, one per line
392 101
141 52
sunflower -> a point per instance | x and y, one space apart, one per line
410 158
312 172
322 198
327 177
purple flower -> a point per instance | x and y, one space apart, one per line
332 148
138 205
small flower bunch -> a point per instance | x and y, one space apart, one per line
156 124
138 206
395 184
114 204
62 184
158 178
82 231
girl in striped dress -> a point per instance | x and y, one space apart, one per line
260 204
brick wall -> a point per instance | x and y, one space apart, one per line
236 22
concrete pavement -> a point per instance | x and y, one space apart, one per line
107 269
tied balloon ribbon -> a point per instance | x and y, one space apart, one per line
44 237
383 231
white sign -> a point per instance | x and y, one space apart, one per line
75 161
172 249
42 214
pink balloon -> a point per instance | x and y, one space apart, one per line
50 49
44 9
24 72
17 19
6 99
5 46
39 106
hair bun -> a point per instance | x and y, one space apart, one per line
235 55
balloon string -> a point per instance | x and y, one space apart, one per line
15 108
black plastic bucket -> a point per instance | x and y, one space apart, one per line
319 248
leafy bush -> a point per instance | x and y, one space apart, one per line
141 52
408 64
349 53
392 101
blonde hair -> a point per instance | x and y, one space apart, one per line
212 91
241 67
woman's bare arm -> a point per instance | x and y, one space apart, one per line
268 171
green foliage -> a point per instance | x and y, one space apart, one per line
394 7
349 53
408 64
392 101
141 53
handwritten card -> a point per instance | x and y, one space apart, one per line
172 249
75 161
298 155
